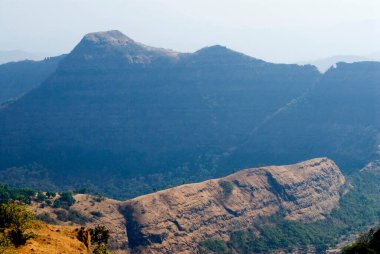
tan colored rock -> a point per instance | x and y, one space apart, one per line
177 219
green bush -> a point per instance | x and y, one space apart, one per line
50 194
71 215
227 187
368 242
8 194
14 220
101 249
6 245
96 213
100 236
65 200
14 216
45 217
216 246
41 197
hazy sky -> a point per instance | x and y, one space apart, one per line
275 30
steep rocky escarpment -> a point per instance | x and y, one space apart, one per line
175 220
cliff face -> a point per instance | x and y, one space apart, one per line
177 219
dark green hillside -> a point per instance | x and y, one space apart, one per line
339 118
124 118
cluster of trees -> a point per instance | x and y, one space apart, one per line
8 194
65 200
26 196
367 243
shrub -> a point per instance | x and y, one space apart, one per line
14 216
50 194
96 213
227 188
216 246
101 249
71 215
45 217
65 200
368 242
99 235
41 197
6 245
16 219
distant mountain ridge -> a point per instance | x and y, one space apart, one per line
338 118
18 78
124 118
7 56
324 64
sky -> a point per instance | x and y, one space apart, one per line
273 30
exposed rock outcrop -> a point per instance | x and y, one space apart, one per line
177 219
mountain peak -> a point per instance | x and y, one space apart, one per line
213 50
113 37
115 46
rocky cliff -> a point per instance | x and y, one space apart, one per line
177 219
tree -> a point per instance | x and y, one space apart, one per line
16 219
65 200
100 236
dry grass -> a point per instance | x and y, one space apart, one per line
51 239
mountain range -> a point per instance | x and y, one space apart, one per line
19 55
323 64
123 118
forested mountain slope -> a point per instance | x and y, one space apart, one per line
117 112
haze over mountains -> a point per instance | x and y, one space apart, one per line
18 78
324 64
116 113
18 55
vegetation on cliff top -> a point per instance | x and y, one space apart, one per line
368 242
